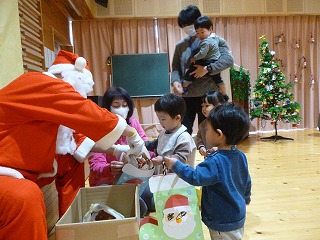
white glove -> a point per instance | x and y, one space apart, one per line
146 152
120 149
136 144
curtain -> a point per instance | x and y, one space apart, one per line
243 37
98 39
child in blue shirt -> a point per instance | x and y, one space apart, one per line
224 174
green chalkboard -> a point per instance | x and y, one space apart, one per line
142 75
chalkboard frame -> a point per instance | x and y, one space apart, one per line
133 72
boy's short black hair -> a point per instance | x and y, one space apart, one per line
118 93
188 15
231 120
203 22
213 97
171 104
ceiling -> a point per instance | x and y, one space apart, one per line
74 9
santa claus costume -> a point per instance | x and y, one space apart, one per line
32 109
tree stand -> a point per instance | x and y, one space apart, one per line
276 136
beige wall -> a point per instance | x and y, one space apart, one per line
10 42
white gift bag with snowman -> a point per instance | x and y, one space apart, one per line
177 210
137 170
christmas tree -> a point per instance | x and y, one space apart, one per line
271 97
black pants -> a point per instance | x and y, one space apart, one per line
193 107
217 78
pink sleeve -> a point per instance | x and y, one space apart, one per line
99 166
135 123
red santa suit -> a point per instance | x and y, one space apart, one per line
32 108
70 173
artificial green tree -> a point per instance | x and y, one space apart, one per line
272 99
240 87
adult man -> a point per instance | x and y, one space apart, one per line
185 49
32 109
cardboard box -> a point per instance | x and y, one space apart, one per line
122 198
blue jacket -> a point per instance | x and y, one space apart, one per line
226 189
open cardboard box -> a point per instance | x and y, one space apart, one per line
122 198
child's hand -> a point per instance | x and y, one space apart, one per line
116 167
156 160
203 151
169 162
211 150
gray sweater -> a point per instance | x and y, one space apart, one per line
180 64
209 48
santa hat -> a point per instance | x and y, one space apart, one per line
176 203
74 70
68 61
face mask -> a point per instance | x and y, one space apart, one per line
122 111
189 30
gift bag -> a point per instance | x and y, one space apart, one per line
177 210
136 174
131 174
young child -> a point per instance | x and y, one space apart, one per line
104 167
174 140
224 174
208 52
209 101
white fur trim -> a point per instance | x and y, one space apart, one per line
114 135
65 141
59 68
49 74
10 172
80 79
82 152
50 174
177 209
80 63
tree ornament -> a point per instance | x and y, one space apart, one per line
312 39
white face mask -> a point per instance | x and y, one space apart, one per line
122 111
189 30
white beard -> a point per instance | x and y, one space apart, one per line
82 82
180 230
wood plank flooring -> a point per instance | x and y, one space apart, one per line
285 187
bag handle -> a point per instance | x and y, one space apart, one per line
174 182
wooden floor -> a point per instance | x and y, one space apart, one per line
285 187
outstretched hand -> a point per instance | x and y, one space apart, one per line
169 162
156 160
